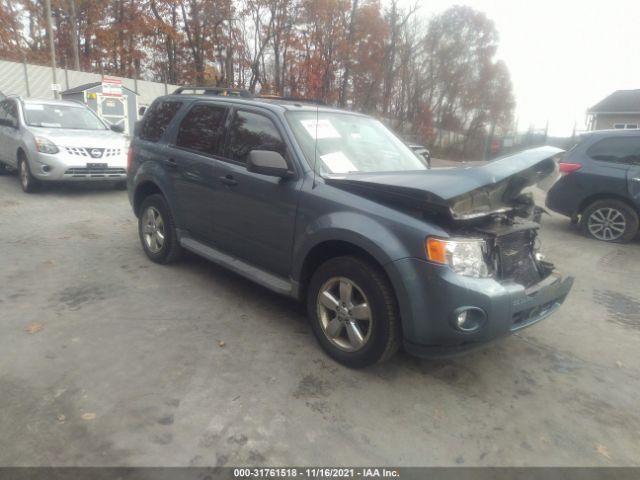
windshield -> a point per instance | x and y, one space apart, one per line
350 143
61 116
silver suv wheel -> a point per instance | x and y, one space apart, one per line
24 175
27 182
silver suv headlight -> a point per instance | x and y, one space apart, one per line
45 145
465 256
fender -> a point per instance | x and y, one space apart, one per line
152 172
355 228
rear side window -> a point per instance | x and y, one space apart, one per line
157 118
617 149
202 129
252 131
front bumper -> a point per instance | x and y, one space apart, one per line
429 295
64 166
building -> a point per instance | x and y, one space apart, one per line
117 109
621 109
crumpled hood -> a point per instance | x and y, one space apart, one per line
461 193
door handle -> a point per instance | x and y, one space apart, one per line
637 179
228 180
171 163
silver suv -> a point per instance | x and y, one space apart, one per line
48 140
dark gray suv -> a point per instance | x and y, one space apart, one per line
600 187
331 208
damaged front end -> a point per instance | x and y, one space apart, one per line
493 204
511 249
485 277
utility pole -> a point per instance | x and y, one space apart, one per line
74 34
47 4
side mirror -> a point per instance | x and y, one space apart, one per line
266 162
141 111
117 128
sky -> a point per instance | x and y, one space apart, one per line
564 56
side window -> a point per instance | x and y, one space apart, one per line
252 131
202 129
3 112
617 149
157 118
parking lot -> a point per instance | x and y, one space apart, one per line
109 359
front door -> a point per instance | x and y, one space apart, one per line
254 215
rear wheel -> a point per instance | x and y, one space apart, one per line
27 181
353 312
157 230
610 221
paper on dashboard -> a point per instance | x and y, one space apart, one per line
338 162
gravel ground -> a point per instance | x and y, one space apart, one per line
109 359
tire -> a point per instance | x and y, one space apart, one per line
158 234
376 339
610 221
28 182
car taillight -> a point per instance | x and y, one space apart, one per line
569 167
130 159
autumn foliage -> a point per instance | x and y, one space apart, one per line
424 77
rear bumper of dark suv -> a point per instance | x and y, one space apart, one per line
564 198
431 297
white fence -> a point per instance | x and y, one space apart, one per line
35 81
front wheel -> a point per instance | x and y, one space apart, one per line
27 181
157 230
610 221
353 312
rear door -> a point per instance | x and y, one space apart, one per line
255 214
192 156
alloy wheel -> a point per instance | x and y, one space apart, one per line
608 224
24 175
153 230
344 314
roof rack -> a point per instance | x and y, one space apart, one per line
221 91
315 101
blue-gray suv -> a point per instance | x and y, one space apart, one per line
331 208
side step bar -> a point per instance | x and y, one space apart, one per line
268 280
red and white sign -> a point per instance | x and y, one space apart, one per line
111 87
